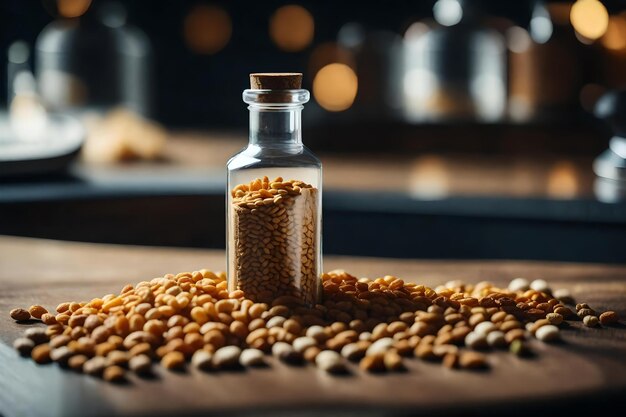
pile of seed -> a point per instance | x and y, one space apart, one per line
378 323
274 235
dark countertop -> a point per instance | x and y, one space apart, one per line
541 208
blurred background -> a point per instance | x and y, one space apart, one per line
447 128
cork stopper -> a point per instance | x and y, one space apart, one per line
276 81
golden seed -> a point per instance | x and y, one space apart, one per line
114 374
173 360
41 354
37 311
608 318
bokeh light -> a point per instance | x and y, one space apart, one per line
72 8
416 31
335 87
541 24
590 94
589 18
518 39
207 29
448 12
615 36
563 181
292 28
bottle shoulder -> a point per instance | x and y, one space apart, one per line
254 156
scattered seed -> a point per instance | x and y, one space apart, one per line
61 355
515 334
226 357
475 341
591 321
114 374
548 333
252 358
202 359
286 353
608 318
194 316
77 362
540 285
380 346
584 312
173 360
37 334
311 353
330 361
496 339
485 328
37 311
393 361
302 343
24 346
95 366
118 358
451 360
373 363
554 318
519 284
520 348
472 360
19 314
140 364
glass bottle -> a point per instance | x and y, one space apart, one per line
274 198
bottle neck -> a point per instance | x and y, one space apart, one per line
275 127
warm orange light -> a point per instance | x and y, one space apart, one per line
429 178
207 29
589 18
292 28
335 87
615 36
72 8
563 181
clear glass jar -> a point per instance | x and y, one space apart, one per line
274 203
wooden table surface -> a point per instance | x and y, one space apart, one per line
586 373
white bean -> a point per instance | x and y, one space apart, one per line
302 343
252 357
475 340
548 333
519 284
330 361
380 346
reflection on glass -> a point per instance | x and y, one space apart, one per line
454 72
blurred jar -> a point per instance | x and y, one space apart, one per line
455 69
94 62
544 70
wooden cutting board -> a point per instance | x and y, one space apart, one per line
586 373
